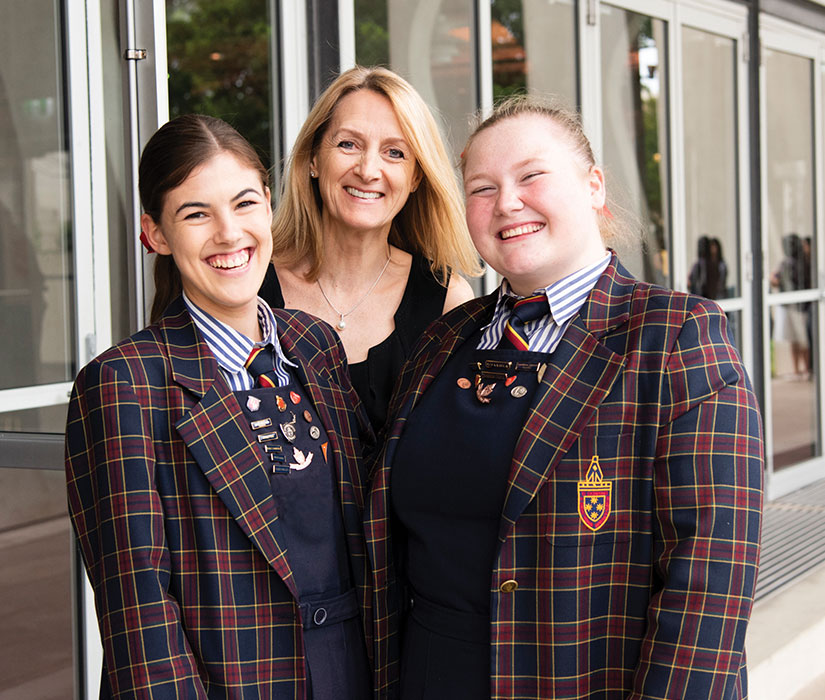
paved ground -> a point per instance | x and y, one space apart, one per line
36 609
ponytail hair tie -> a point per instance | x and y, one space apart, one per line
145 240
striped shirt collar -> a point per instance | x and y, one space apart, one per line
565 297
231 348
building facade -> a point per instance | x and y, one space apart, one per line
707 115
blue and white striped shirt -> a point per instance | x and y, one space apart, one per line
231 348
565 297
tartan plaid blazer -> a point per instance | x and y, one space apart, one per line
175 518
655 602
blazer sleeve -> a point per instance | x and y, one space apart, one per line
706 519
118 518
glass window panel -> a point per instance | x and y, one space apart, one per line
218 53
790 215
35 586
634 105
36 273
534 47
711 200
48 419
793 392
789 169
431 45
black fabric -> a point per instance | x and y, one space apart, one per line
448 485
308 508
374 378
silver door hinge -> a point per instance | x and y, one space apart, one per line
134 54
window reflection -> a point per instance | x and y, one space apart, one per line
634 107
711 181
793 391
534 47
36 272
790 187
46 419
431 45
789 155
35 586
708 275
219 64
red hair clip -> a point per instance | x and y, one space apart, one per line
145 240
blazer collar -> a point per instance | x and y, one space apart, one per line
193 364
608 304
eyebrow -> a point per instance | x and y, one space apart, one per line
349 131
204 205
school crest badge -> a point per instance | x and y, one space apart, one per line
594 496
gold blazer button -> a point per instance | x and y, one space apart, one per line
508 586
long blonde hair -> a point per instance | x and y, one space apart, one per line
432 220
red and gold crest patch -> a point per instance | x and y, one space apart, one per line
594 496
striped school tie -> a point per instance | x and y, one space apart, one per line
261 365
524 311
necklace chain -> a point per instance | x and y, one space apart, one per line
343 314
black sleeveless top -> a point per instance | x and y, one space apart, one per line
374 378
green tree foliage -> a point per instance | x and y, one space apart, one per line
372 36
509 16
219 64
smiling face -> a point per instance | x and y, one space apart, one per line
216 227
532 202
366 169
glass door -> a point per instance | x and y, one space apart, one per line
671 130
792 235
48 328
713 257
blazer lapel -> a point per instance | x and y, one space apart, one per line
581 373
216 435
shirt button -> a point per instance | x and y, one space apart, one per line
508 586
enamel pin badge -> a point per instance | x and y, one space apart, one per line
594 496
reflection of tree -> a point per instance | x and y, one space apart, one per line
509 64
372 36
648 156
219 64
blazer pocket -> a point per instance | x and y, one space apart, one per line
596 498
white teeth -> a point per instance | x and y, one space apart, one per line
229 262
520 230
363 195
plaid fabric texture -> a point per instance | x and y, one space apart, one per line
174 514
655 602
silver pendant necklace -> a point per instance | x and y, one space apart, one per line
342 324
